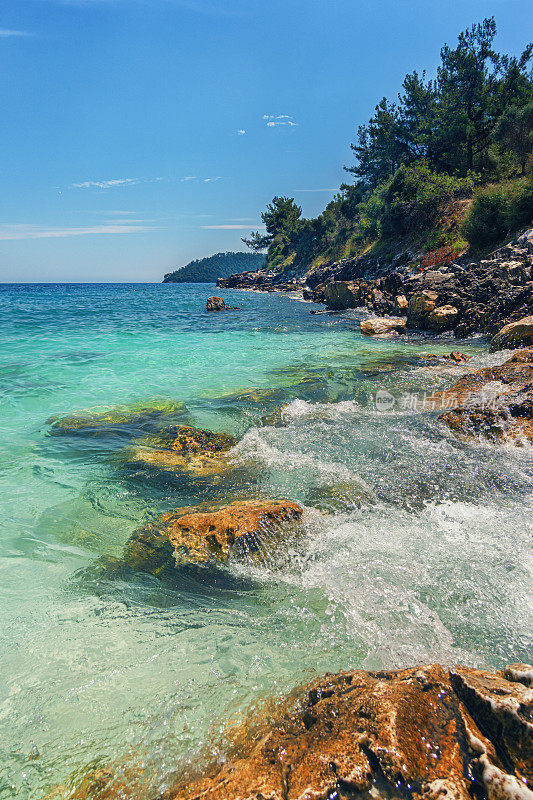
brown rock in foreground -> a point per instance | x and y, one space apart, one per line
191 536
495 403
419 734
407 733
382 326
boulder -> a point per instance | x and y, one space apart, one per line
194 536
419 733
400 304
442 318
339 295
218 304
425 733
419 306
196 451
494 404
516 334
379 326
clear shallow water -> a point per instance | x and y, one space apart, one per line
424 553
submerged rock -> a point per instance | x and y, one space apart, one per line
495 403
340 496
380 326
516 334
183 449
195 536
149 414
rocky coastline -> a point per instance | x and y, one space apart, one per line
433 292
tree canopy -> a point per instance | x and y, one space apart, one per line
442 139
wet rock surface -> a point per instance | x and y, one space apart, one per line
196 451
495 403
197 535
406 733
382 326
424 732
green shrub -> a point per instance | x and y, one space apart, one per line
498 211
520 208
415 194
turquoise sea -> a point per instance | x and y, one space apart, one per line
416 547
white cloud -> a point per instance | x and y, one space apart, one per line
229 227
202 180
114 182
241 132
5 32
273 120
10 232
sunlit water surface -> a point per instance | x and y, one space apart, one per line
416 547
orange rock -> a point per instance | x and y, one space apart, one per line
189 535
495 403
404 733
422 733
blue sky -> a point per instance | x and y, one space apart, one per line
139 134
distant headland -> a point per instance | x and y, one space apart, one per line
220 265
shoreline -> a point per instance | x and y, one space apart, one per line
463 297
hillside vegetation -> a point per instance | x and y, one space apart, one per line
220 265
446 164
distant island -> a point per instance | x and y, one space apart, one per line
221 265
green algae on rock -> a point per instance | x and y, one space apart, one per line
149 414
197 451
339 496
